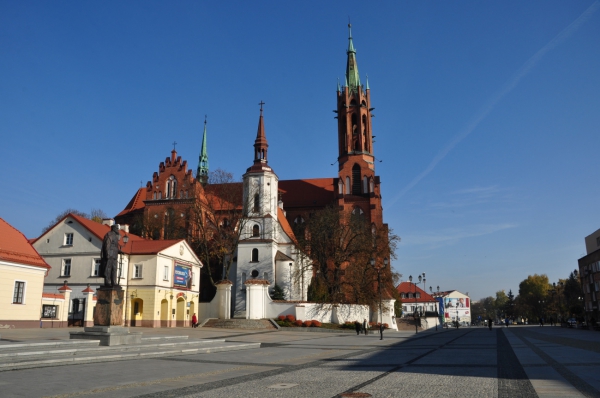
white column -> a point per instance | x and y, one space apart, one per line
224 299
256 298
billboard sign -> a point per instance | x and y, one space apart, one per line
454 306
182 278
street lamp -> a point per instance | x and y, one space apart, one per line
415 298
385 263
290 285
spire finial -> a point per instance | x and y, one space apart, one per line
261 103
174 143
352 76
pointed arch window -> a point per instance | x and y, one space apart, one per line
357 211
340 187
356 179
348 185
254 255
255 231
372 185
365 185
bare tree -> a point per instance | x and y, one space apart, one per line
341 246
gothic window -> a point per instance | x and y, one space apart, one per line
256 203
365 185
348 185
173 188
372 185
341 187
159 195
255 231
154 196
254 255
358 212
356 179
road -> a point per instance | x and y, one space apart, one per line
522 361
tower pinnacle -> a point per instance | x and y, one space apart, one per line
260 144
352 76
202 172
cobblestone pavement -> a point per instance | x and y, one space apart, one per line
470 362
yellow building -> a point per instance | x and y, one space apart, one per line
161 278
22 272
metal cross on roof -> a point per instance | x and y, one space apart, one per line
174 143
261 103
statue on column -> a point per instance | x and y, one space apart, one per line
109 257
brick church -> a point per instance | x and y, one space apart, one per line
163 204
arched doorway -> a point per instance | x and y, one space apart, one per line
180 315
164 314
137 310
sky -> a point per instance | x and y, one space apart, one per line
487 115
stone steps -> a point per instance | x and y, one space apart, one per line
70 352
248 324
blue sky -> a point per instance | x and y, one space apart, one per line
486 115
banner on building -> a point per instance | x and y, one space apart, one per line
457 306
182 278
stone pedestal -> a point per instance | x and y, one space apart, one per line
108 320
109 306
108 335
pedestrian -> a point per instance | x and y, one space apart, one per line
194 321
365 326
506 322
490 324
541 322
357 327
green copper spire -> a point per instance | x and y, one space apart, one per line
368 82
352 77
202 172
338 86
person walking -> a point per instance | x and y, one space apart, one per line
194 321
490 324
357 327
365 326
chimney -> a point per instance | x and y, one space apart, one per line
108 221
125 227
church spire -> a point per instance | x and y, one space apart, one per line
260 144
352 77
202 172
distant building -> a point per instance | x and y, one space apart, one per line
589 272
416 299
456 306
22 272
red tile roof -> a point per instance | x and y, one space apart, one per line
285 225
136 203
409 287
15 248
314 192
150 246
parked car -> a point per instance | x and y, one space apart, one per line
571 322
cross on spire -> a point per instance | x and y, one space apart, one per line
261 103
174 143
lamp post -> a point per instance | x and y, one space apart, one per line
290 286
436 312
385 263
415 297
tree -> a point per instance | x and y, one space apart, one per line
97 215
217 224
533 293
500 303
340 246
509 307
488 305
277 293
573 295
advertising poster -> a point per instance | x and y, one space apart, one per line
183 276
461 305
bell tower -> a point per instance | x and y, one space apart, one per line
355 137
358 186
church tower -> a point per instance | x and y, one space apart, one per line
358 187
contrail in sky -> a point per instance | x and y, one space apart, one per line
491 103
